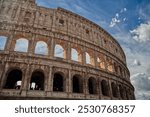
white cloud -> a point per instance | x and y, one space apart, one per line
117 15
117 18
142 32
124 19
114 21
123 10
141 83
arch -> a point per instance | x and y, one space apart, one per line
77 84
115 68
109 65
127 91
121 90
75 55
37 81
58 82
41 48
14 79
89 58
101 62
3 40
114 89
92 86
105 88
21 45
59 51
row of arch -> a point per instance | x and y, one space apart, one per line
42 48
14 81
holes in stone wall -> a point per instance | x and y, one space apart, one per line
105 88
77 84
92 86
109 65
21 45
75 55
3 40
41 48
122 92
101 62
58 82
114 89
61 22
14 79
59 51
37 81
89 58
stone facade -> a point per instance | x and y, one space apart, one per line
99 72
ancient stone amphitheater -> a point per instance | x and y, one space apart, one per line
56 54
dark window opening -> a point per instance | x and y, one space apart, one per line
61 22
77 86
92 86
14 79
127 94
121 92
87 31
58 82
105 88
114 90
37 81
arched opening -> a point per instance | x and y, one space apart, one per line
114 89
37 81
21 45
75 55
14 79
105 88
41 48
92 86
3 41
109 65
89 59
101 63
58 82
59 51
127 94
77 85
115 68
121 90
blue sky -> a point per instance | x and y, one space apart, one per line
129 22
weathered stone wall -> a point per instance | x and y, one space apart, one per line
24 19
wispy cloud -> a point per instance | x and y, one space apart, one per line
117 19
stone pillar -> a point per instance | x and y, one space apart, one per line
52 48
69 82
25 81
84 84
49 79
68 56
31 46
83 56
9 43
95 60
110 91
3 76
99 90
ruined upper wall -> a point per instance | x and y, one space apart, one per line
27 13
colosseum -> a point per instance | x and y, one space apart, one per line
56 54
